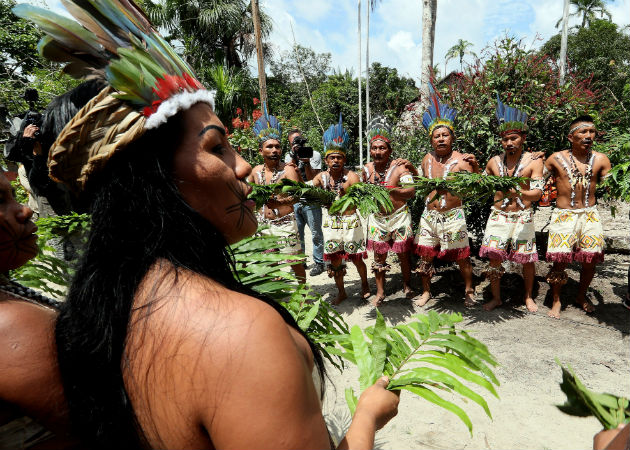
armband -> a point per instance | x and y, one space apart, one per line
406 178
537 183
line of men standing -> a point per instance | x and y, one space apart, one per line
575 232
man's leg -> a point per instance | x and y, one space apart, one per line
557 277
336 270
426 271
300 220
529 272
405 269
380 269
494 273
465 267
313 215
362 269
586 276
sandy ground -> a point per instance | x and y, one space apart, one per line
525 344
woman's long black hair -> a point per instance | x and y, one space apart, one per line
138 217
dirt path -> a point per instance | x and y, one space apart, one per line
525 344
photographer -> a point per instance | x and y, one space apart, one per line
308 163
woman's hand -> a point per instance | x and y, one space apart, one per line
378 404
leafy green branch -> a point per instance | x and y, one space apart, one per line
261 194
466 185
424 356
610 410
258 266
367 198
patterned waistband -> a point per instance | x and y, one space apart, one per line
575 211
279 221
404 209
523 212
434 214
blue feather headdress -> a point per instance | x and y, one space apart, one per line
267 127
336 139
510 119
438 114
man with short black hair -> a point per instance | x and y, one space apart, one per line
306 213
576 233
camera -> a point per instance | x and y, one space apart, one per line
32 117
302 150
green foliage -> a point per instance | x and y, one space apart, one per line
524 80
312 194
426 356
599 51
459 50
21 196
233 86
47 272
367 198
262 270
610 410
467 186
616 186
588 9
211 31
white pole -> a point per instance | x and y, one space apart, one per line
360 103
367 76
563 41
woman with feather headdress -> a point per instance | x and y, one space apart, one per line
159 345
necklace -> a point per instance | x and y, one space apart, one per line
447 168
382 177
274 175
504 172
27 294
442 157
337 184
576 177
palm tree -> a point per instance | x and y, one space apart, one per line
460 50
211 30
588 9
429 12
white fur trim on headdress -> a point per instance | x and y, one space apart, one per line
176 103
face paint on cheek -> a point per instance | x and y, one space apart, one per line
240 207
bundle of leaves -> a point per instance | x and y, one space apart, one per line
609 409
466 185
428 357
260 267
48 272
367 198
311 194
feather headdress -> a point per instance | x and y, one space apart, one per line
267 127
510 119
379 129
148 81
438 114
336 139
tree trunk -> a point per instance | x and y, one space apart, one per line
367 74
262 81
563 41
429 11
359 84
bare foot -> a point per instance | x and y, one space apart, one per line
409 293
531 305
555 310
340 298
492 304
378 300
365 291
423 299
585 304
469 300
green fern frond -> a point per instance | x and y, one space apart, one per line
427 357
367 198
